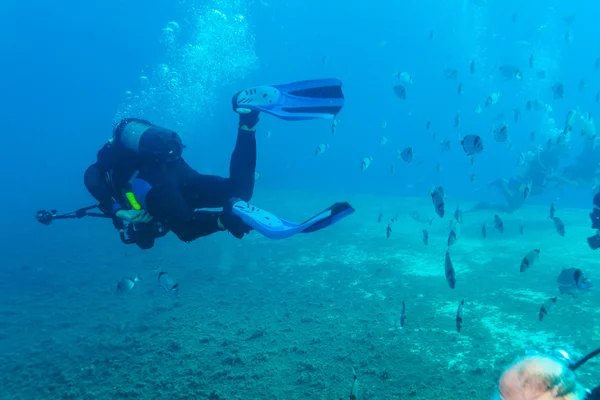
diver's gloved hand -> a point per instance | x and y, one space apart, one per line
134 216
232 223
248 117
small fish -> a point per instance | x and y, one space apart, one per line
516 115
354 389
588 127
438 168
431 35
392 170
427 125
383 141
568 36
501 133
407 154
437 197
452 237
459 315
450 73
558 91
404 77
321 149
460 89
546 307
256 175
403 315
478 109
552 210
582 85
472 67
445 145
521 229
165 282
492 99
458 214
572 280
334 126
514 18
449 271
569 121
400 92
526 190
388 230
483 231
417 216
531 61
366 163
457 120
532 136
472 177
510 72
529 259
126 284
472 144
597 65
498 224
268 134
425 237
383 124
522 160
559 226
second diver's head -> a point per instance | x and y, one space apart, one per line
150 141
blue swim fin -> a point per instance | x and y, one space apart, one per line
273 227
315 99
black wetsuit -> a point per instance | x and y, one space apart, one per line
177 189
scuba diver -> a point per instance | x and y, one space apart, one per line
548 375
594 241
143 184
536 174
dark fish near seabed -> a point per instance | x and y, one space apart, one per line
126 284
449 271
546 307
417 216
460 89
558 91
457 120
425 237
472 144
516 115
165 282
559 226
483 231
529 260
400 92
572 281
437 197
380 216
354 389
552 210
428 125
498 224
388 230
403 315
459 315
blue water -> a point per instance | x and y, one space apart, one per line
71 69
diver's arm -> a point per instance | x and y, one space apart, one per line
95 182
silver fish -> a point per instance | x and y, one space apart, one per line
449 271
498 224
472 144
458 215
529 260
573 280
354 389
459 315
425 237
437 197
126 284
559 226
407 154
546 307
165 282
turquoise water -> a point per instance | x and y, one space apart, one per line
291 319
